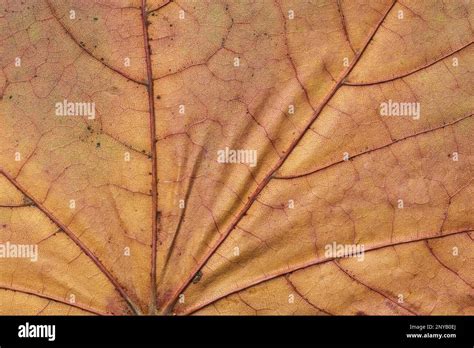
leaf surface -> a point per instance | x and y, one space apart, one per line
133 213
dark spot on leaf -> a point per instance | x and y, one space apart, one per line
158 217
197 277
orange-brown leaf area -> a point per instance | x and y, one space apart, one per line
236 157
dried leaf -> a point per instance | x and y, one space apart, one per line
224 157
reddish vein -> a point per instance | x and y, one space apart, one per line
86 50
304 297
280 162
315 262
154 175
53 299
372 288
427 131
76 240
411 72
